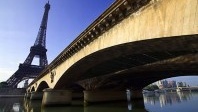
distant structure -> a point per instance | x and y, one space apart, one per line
172 84
162 84
166 84
182 84
38 50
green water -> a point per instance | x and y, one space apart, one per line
166 102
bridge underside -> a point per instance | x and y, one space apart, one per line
141 76
138 77
146 61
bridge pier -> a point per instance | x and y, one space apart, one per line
27 95
103 96
136 94
137 99
56 97
36 95
77 95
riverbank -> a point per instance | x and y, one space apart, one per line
12 92
11 96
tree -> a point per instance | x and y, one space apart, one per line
151 87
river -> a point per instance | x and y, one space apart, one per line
166 102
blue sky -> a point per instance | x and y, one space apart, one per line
20 21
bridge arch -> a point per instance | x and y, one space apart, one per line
43 85
137 80
32 89
130 55
141 76
28 90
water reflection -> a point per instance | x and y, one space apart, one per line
11 104
172 102
167 98
105 107
182 101
16 107
32 105
77 106
184 96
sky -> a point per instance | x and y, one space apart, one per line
20 21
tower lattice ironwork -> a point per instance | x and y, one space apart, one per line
38 50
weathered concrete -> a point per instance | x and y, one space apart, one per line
136 94
137 99
77 95
36 95
103 96
56 97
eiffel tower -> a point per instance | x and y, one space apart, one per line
38 50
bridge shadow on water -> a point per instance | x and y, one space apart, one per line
78 106
20 104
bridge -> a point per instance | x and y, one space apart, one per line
132 44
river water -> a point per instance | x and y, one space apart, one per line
166 102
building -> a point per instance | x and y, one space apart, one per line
181 84
166 84
162 84
172 84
